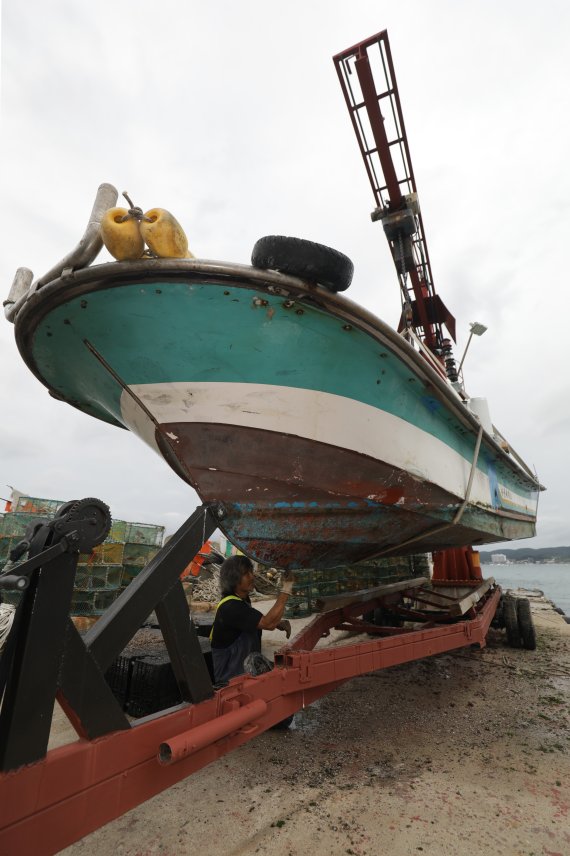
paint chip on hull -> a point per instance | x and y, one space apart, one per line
171 436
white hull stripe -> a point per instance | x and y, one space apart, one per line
318 416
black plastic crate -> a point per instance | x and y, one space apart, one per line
118 676
144 684
152 686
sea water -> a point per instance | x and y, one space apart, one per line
553 580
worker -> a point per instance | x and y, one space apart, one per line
237 624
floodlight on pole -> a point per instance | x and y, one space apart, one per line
476 329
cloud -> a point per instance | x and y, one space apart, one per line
236 123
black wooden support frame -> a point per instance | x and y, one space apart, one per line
46 658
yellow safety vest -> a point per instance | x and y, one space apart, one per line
223 600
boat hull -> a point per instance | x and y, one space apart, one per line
323 433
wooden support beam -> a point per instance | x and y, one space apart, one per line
337 601
461 605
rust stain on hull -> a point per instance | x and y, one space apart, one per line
295 503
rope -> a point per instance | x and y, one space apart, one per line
134 212
459 514
7 612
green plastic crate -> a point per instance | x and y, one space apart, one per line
6 544
88 602
118 531
83 602
4 548
325 589
129 573
420 565
17 522
299 603
103 554
98 577
38 505
144 533
303 577
302 601
104 599
138 554
359 583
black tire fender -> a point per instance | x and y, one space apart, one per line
526 624
305 259
511 621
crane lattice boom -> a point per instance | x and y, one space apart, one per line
367 78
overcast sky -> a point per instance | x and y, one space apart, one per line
230 115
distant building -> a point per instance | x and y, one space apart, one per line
498 559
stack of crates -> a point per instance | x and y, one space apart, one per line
14 525
36 506
104 574
310 585
101 574
98 577
142 543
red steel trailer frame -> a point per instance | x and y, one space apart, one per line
55 799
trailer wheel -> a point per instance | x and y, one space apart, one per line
385 618
510 619
526 624
305 259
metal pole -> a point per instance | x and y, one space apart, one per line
465 351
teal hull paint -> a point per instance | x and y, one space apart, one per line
168 332
165 342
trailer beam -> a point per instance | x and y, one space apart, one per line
77 788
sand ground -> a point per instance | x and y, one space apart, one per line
462 753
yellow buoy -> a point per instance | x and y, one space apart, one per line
121 234
164 235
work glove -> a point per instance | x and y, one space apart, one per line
287 583
285 626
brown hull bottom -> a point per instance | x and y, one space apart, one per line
294 503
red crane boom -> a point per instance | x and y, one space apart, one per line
368 81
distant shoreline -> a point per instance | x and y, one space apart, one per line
527 555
